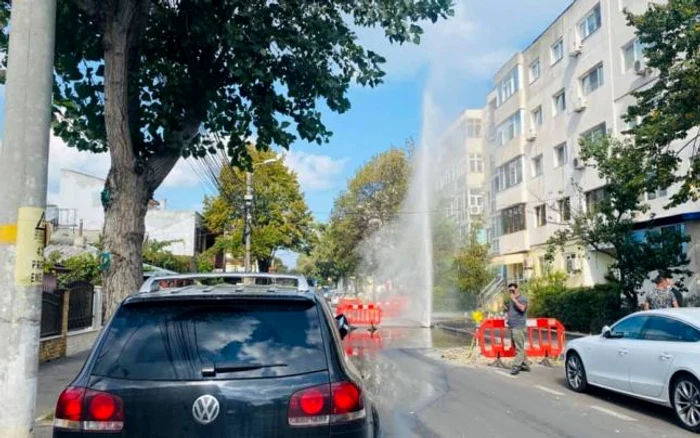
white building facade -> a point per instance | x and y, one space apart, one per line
462 184
575 80
80 203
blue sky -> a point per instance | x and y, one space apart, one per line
455 61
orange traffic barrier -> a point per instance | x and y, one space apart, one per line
362 343
361 314
344 302
545 339
394 306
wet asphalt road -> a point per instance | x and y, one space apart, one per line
420 395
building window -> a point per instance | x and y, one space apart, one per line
541 215
560 155
573 265
633 51
508 86
535 70
565 209
509 129
590 23
537 166
662 193
537 117
513 219
592 80
544 265
559 102
476 163
557 51
509 175
594 198
473 128
594 134
632 123
476 198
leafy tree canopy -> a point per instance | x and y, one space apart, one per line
372 199
608 225
668 109
281 220
231 68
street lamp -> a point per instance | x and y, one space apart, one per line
249 209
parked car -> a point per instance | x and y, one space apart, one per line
652 355
227 360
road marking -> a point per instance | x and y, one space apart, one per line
551 391
504 374
612 413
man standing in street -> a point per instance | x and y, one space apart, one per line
662 297
517 322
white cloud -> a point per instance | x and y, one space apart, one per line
182 176
63 157
315 172
472 44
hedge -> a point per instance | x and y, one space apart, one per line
585 309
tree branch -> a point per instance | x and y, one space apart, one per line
160 165
89 7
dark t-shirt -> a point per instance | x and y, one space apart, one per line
516 318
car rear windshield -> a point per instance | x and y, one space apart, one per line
180 340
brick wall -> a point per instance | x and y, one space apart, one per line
54 347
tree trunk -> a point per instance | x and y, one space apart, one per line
128 190
264 264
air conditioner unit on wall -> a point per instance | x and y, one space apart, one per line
640 67
580 104
531 134
576 48
476 209
579 164
573 264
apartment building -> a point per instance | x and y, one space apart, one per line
575 80
462 183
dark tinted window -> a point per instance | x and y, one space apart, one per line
630 328
176 341
670 330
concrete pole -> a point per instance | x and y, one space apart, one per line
24 157
248 217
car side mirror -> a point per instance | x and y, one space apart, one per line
606 332
343 326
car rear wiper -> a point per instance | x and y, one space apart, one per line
230 367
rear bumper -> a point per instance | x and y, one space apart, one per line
355 431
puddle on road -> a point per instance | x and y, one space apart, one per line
396 378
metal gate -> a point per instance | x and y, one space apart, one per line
80 305
51 313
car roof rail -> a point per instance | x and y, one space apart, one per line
152 283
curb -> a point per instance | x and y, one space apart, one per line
45 420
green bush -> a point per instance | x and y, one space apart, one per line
585 309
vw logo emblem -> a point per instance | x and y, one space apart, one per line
205 409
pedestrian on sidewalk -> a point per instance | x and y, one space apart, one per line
663 296
517 322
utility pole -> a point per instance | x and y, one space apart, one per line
24 157
248 217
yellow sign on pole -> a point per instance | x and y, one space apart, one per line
31 240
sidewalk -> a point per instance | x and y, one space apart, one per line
54 376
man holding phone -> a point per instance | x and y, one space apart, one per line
517 322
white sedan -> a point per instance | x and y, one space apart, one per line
652 355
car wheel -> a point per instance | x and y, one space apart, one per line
575 373
376 428
686 402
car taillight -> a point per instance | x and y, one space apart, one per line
326 404
82 409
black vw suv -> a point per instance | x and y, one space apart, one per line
225 356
